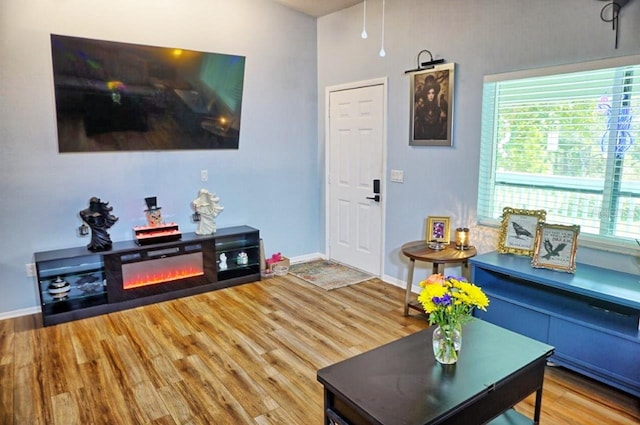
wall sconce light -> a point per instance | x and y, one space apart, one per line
615 6
431 63
462 238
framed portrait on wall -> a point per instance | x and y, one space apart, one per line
556 247
438 229
518 230
432 106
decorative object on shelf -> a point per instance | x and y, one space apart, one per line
156 230
431 103
437 246
613 7
207 205
90 284
59 289
518 230
555 247
462 238
83 230
449 303
438 229
223 262
242 259
99 218
153 211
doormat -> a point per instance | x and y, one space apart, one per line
328 274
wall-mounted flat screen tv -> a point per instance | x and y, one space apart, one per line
127 97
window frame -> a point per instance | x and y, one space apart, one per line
491 178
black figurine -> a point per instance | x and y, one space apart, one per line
99 218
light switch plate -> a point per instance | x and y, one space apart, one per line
397 176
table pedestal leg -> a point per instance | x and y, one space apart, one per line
407 294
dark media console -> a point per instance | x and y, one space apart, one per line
130 275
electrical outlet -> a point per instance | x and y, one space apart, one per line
204 175
30 269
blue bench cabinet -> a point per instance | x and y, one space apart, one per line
592 317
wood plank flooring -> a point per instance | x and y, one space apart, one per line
242 355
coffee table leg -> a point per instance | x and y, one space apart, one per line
538 407
407 294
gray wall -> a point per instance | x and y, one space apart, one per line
481 37
270 183
274 182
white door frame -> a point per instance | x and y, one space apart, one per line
383 81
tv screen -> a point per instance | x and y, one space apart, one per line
114 96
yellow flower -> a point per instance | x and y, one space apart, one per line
450 301
427 295
474 295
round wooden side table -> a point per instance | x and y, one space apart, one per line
420 251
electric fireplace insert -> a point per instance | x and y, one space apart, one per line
159 269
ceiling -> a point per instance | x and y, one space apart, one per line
318 8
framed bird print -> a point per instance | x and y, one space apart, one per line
518 230
556 247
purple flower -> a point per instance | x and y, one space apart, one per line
444 300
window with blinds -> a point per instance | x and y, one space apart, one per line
565 140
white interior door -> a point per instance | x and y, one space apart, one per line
356 148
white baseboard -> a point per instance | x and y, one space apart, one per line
307 257
394 281
21 312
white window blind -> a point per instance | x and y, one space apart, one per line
565 140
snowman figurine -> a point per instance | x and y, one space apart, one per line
223 261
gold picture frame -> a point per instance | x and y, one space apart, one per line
438 229
558 244
518 230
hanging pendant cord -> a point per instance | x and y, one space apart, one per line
364 21
382 52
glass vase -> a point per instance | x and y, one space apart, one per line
447 342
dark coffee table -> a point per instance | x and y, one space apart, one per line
400 383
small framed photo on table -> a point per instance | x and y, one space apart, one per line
438 229
518 230
556 247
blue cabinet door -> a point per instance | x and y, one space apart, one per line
617 356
